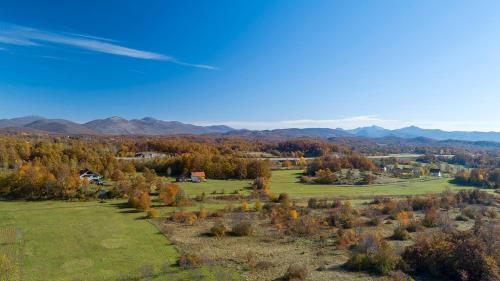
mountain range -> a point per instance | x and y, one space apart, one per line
154 127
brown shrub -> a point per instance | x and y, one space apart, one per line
283 197
188 218
490 213
304 226
263 265
374 221
152 213
345 238
188 261
455 256
401 233
431 218
414 226
473 196
296 272
243 228
419 203
469 212
218 230
373 255
202 214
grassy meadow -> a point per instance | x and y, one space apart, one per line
91 241
287 181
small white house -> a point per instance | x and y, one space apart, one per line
90 176
198 176
435 172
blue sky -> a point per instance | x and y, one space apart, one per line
254 64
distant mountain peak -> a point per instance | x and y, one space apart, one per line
116 118
149 119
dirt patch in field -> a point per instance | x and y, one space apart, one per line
77 264
113 243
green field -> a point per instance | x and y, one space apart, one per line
287 181
105 241
90 241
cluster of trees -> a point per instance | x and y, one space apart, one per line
43 167
479 159
479 177
335 164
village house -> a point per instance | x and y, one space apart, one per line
91 177
435 172
198 176
147 155
406 172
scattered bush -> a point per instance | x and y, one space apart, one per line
380 260
188 218
469 212
244 206
296 272
431 218
455 255
401 233
490 213
345 238
218 230
325 177
261 184
283 197
293 214
152 213
414 226
304 226
312 203
243 228
258 206
188 261
202 213
263 265
473 196
375 221
305 179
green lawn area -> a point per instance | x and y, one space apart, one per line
90 241
287 181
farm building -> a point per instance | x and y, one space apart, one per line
92 177
147 155
198 176
435 172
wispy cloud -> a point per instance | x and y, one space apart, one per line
26 36
358 121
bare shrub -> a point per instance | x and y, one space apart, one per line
345 238
431 218
469 212
401 233
304 226
373 255
296 272
188 261
243 228
456 256
188 218
218 230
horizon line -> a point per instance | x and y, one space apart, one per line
350 123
